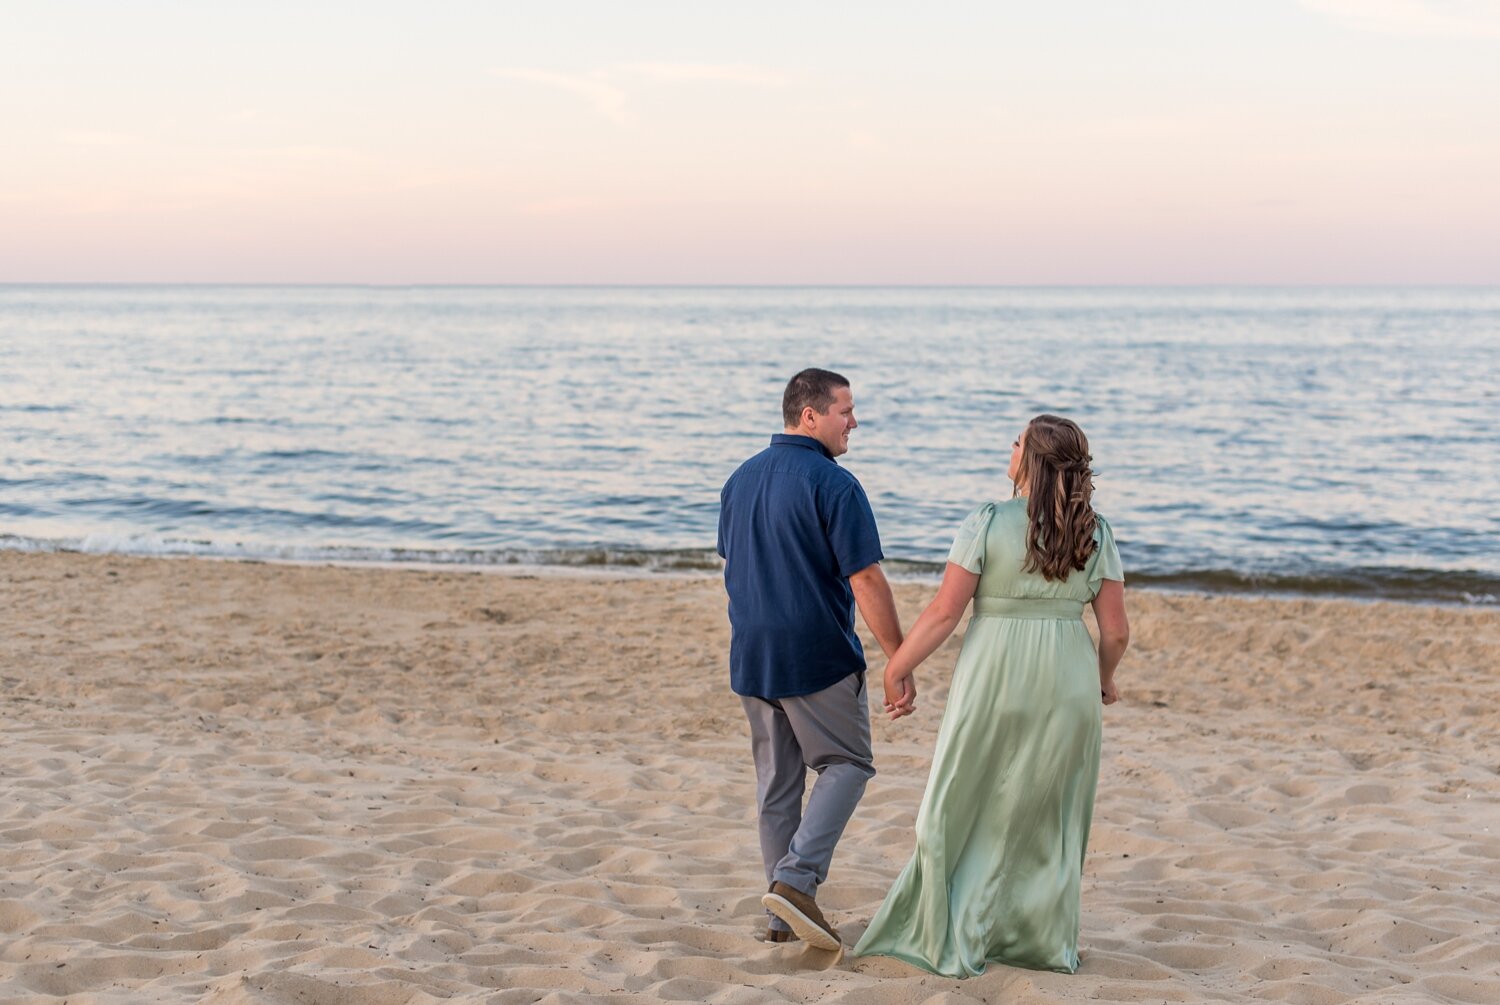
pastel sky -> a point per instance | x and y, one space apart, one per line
1094 141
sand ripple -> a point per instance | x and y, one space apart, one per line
254 784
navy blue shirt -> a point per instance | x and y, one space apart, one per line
793 527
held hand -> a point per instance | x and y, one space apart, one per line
1108 693
900 695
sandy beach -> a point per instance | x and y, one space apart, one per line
234 783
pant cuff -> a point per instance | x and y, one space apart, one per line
799 882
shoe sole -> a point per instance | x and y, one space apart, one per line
806 929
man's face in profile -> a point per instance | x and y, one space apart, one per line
833 427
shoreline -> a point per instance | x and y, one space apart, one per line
897 570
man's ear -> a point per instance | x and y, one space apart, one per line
803 420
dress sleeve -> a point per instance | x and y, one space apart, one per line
1105 562
968 544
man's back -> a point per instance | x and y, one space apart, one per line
793 526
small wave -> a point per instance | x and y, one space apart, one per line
178 510
1462 587
310 454
1421 585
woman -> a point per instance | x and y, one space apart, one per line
1005 820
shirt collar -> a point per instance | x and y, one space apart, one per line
798 440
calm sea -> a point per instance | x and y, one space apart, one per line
1287 440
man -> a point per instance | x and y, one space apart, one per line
800 550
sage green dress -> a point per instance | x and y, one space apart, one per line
1005 819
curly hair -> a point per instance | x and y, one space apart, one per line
1060 487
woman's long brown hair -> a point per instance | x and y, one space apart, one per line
1060 485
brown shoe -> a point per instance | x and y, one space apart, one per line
801 912
779 935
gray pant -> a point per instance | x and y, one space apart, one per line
829 732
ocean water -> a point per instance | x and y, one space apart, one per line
1288 440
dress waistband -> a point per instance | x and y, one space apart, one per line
1040 608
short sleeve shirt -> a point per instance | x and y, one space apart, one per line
793 527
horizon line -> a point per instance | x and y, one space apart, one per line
352 284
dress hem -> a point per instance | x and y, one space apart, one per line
922 964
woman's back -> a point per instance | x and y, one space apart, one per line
994 537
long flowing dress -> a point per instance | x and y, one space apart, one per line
1004 823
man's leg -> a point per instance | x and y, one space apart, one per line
780 777
832 729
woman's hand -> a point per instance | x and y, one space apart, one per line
933 627
1108 693
900 694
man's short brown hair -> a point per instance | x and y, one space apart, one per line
812 388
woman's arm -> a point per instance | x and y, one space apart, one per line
1114 635
932 629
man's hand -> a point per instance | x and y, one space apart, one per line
900 695
1108 693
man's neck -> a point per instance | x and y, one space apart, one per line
811 439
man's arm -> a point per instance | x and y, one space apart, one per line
877 606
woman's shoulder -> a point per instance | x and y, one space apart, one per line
992 513
987 510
